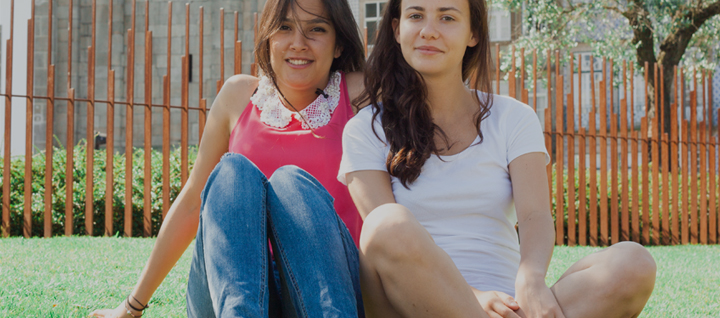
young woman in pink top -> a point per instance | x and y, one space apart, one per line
266 170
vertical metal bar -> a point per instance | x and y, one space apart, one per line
47 217
70 165
614 213
184 110
166 114
130 98
497 70
8 120
69 180
693 162
655 225
603 157
253 66
203 105
512 89
703 172
582 213
559 156
238 57
110 139
365 41
624 219
548 120
90 132
712 239
535 75
523 91
685 236
593 158
147 197
645 164
27 220
110 152
674 227
222 50
570 118
635 217
665 165
166 147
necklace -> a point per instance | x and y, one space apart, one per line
273 113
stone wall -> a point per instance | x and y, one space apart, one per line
118 41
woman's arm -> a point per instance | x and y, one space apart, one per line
532 203
181 223
369 189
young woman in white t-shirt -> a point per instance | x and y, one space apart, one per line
441 173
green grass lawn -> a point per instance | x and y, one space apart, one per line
70 277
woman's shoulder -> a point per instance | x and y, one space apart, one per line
234 96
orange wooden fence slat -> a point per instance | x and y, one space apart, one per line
603 159
582 216
559 157
614 209
570 118
693 167
90 131
655 208
675 193
130 99
147 197
70 163
624 219
593 159
511 76
5 228
548 120
27 189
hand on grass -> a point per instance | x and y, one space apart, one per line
497 304
537 301
119 312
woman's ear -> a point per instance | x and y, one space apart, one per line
396 29
474 40
338 51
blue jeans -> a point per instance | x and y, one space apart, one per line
315 272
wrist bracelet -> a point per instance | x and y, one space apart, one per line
130 312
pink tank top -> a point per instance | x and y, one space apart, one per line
271 148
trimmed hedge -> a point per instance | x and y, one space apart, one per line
17 192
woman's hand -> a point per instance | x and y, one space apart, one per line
497 304
537 301
119 312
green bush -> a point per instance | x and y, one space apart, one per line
17 192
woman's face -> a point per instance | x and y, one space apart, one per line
433 35
302 61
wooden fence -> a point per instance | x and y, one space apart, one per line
680 208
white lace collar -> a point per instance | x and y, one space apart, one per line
273 113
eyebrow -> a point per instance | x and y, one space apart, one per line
441 9
311 21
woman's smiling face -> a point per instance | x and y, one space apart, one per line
303 49
433 35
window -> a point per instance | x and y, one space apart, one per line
500 26
373 15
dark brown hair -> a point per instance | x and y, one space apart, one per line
347 35
405 113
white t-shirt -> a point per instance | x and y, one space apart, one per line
465 200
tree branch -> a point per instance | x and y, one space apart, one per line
674 45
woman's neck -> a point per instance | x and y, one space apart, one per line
448 97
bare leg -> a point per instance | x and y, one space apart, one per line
405 274
614 282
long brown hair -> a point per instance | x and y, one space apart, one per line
405 113
347 35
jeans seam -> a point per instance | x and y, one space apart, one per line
291 276
263 247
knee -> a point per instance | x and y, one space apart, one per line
634 269
391 233
234 170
